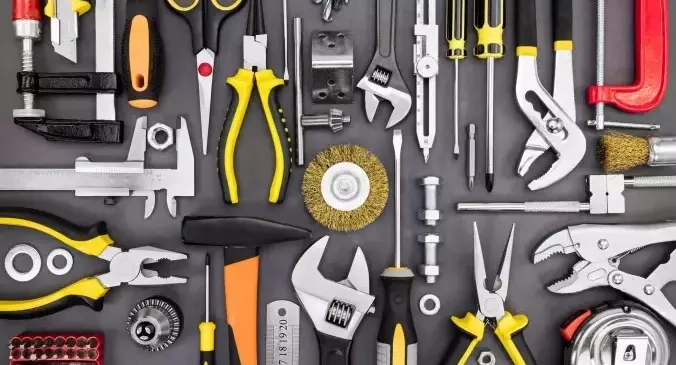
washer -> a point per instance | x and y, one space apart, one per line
486 358
62 253
434 299
25 250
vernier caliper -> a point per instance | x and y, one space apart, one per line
426 61
114 179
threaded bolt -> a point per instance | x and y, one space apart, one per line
430 213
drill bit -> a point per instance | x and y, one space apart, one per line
471 155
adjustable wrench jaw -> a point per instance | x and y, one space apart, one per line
374 93
317 294
560 133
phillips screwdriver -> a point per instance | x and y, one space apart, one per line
207 329
489 22
142 54
397 340
456 31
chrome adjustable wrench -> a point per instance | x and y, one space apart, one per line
600 249
335 308
383 80
557 130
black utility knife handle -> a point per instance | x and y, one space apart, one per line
73 130
333 350
74 83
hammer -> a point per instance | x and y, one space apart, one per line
242 239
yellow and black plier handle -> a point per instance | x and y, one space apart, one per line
509 331
242 85
92 240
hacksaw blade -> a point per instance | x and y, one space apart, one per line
282 339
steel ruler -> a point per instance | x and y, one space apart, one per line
282 339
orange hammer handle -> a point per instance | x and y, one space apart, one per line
241 306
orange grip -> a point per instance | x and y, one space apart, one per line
241 305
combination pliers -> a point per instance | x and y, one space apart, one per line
601 247
508 328
126 266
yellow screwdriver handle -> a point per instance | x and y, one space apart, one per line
489 22
88 292
397 339
456 29
207 341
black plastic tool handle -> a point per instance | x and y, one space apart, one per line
563 20
526 25
456 28
72 130
142 54
68 83
397 317
386 17
333 350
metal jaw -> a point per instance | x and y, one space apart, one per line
316 293
560 132
205 80
255 52
126 267
492 299
64 27
374 93
564 95
426 61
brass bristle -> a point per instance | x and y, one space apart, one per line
336 219
619 152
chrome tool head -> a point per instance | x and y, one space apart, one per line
585 275
492 300
558 243
560 132
127 267
374 93
320 296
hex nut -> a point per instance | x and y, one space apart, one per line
429 180
429 270
486 358
428 238
429 215
154 130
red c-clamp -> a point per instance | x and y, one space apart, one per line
651 47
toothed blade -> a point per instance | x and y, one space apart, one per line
564 286
558 243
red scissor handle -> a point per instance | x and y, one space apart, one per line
651 46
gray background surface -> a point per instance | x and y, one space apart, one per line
20 148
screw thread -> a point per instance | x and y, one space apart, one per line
430 197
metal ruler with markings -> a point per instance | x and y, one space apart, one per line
282 339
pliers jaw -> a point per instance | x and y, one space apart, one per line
585 275
127 267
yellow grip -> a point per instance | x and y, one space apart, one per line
80 6
242 83
50 9
507 328
207 337
472 329
266 82
88 289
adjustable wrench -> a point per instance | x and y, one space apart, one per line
383 80
335 308
559 132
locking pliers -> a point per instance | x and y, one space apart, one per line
600 248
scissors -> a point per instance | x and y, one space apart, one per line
205 18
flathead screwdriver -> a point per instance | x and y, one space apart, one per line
489 22
456 31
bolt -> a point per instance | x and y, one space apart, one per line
603 244
430 214
334 120
430 269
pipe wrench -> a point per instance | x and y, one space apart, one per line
557 130
426 61
600 248
383 80
335 308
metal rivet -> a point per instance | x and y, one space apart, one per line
649 289
618 279
603 244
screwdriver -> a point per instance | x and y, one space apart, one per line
142 54
489 22
456 31
207 329
397 340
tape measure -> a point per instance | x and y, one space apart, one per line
282 339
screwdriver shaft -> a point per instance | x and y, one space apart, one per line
490 147
456 145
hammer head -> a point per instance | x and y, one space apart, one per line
238 232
